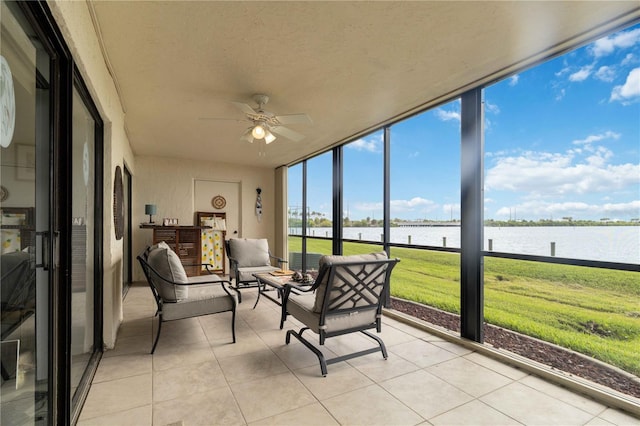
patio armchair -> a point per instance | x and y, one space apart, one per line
178 296
346 297
248 256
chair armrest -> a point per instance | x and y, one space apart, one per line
288 288
277 259
151 274
207 266
305 289
218 281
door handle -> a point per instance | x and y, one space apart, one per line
43 238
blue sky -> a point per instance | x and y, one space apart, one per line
561 139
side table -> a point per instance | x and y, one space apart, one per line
277 282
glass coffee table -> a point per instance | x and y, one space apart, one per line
277 281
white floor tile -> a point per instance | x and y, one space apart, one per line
198 377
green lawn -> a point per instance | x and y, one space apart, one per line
592 311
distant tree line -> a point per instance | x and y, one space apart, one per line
319 220
566 221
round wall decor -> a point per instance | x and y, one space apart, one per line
118 208
7 104
218 202
4 193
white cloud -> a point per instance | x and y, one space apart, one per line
607 45
630 90
451 210
596 138
605 73
566 69
414 154
447 115
492 108
560 94
513 80
373 144
582 74
545 175
629 59
416 204
541 209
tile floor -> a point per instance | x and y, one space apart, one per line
197 377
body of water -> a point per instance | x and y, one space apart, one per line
605 243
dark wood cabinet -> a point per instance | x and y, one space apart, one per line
185 241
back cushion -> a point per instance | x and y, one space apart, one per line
250 252
168 265
149 249
317 307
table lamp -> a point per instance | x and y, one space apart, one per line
150 209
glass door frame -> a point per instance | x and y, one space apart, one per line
77 399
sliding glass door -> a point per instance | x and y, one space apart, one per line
26 268
50 223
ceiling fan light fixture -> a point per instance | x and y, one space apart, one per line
258 131
268 137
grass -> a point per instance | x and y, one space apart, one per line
589 310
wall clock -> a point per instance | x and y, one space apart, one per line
218 202
118 208
4 193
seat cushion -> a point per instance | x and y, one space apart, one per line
250 252
324 260
301 307
203 299
246 274
168 265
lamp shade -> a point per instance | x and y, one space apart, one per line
149 209
258 132
268 137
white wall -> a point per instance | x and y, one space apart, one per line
76 26
169 184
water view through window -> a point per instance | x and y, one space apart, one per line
561 197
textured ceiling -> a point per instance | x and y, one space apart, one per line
351 66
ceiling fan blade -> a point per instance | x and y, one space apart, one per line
294 119
244 108
238 120
287 133
247 136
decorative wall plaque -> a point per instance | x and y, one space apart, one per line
218 202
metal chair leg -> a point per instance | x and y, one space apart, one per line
155 343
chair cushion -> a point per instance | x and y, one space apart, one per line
149 249
301 307
167 263
203 299
246 274
250 252
317 307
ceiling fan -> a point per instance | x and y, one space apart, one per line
264 123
